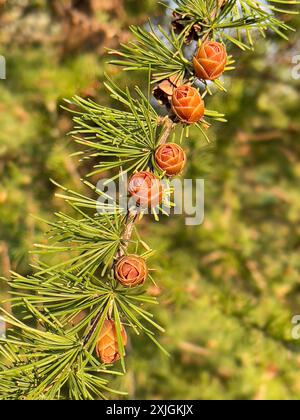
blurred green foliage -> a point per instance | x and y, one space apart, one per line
228 288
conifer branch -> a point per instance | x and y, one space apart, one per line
68 311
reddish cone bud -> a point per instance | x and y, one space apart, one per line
146 189
131 270
170 158
107 343
210 60
187 104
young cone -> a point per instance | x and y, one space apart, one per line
187 104
170 158
107 343
210 60
131 270
146 189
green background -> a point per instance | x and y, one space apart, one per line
228 289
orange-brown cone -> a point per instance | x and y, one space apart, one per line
187 104
131 270
210 60
171 158
146 189
107 343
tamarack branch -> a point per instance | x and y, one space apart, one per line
81 311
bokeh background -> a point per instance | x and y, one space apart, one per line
228 288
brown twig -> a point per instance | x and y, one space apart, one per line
92 328
245 137
168 125
131 219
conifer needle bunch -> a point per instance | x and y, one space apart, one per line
74 318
